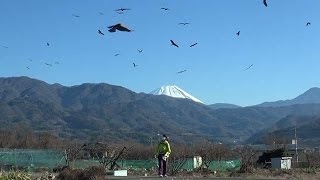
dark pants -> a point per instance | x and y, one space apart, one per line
162 165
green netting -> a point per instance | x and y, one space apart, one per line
138 164
34 159
31 158
187 165
225 165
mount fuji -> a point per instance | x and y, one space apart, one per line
174 91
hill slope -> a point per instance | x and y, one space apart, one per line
223 106
307 129
312 96
107 112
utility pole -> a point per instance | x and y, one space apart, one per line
295 136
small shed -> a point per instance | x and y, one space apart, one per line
281 163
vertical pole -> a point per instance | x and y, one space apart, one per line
295 136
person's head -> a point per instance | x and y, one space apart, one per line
165 138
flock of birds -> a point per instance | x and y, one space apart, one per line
123 28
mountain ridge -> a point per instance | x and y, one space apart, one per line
311 96
106 112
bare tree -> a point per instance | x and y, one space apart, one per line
73 153
313 159
247 155
107 154
178 158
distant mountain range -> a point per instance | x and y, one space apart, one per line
107 112
312 96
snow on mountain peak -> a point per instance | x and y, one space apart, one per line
174 91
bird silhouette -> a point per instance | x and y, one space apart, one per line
119 27
100 13
249 67
56 62
184 23
100 32
122 9
75 15
166 9
28 67
308 24
181 71
265 3
238 33
193 44
173 43
48 44
140 50
48 64
134 65
116 54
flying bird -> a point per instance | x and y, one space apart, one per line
134 65
249 67
193 44
28 67
308 24
48 44
181 71
30 59
119 27
173 43
48 64
238 33
265 3
100 32
75 15
122 9
166 9
101 13
56 62
140 50
116 54
184 23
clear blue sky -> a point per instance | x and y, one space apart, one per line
285 53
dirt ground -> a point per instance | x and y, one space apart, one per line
259 174
304 174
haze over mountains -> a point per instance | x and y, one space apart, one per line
107 112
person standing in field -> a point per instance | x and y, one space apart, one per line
163 151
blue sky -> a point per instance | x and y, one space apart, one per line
284 52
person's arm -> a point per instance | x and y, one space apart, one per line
168 150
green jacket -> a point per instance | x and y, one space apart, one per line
163 148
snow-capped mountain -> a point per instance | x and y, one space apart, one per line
174 91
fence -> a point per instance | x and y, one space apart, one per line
49 159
